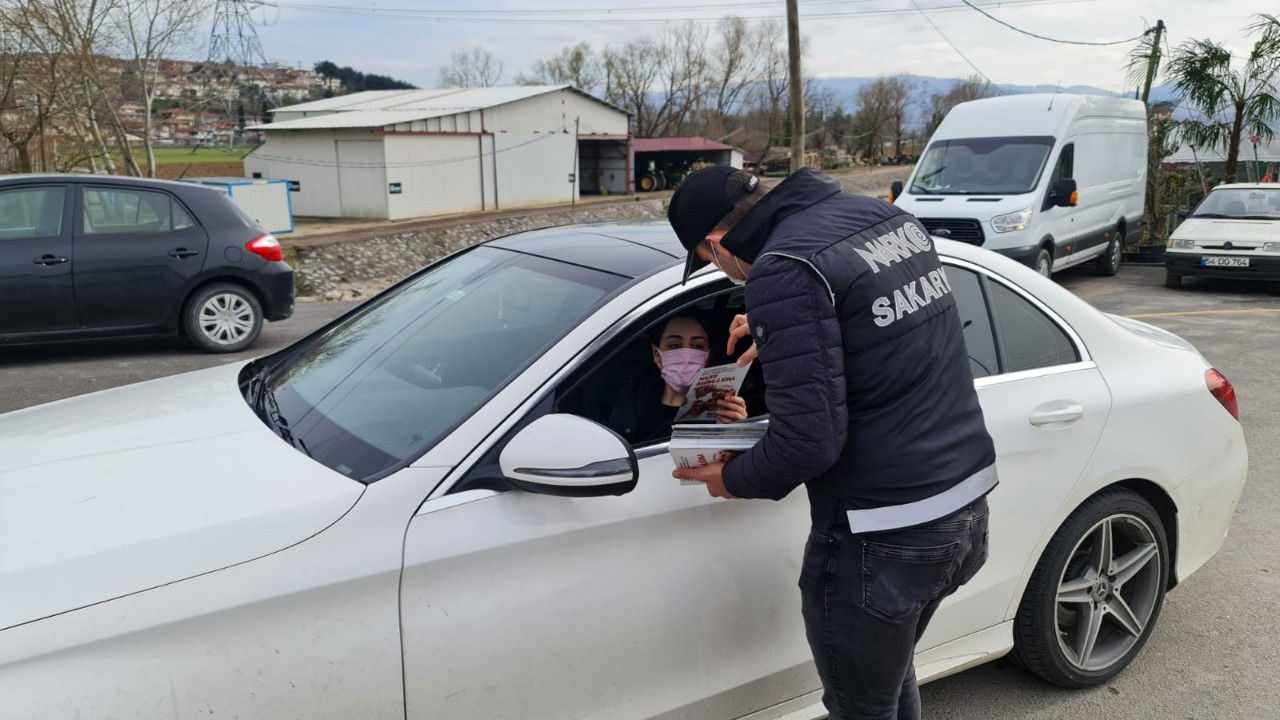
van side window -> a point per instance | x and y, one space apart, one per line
1066 164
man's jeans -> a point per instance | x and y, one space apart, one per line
867 600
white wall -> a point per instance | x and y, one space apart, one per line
438 174
556 112
307 157
533 169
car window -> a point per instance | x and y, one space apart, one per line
126 210
27 213
621 387
181 220
1240 203
975 319
1028 339
382 387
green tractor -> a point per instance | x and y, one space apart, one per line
655 175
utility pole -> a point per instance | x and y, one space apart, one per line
797 90
573 175
1153 63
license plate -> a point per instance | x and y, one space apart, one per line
1238 262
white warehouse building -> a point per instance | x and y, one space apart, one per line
397 154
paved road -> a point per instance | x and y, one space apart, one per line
31 374
1216 651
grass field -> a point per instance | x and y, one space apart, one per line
184 156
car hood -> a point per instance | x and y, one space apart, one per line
978 207
1251 232
127 489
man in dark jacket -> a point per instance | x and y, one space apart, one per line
871 406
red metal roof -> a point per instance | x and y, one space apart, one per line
679 144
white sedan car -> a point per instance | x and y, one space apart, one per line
1233 233
412 513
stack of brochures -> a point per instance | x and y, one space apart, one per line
696 445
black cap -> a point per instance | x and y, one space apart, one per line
704 199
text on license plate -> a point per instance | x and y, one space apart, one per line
1225 262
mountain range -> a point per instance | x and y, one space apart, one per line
845 90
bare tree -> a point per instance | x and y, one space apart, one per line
153 31
472 68
973 87
767 101
736 65
577 66
33 75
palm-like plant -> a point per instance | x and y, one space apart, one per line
1229 101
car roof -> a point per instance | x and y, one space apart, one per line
1247 186
95 179
631 249
641 248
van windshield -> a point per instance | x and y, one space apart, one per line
982 166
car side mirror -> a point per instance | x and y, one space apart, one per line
569 456
895 190
1067 193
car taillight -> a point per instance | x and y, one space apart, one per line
266 247
1220 387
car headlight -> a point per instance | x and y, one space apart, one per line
1184 243
1271 247
1012 221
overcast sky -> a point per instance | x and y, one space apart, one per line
399 39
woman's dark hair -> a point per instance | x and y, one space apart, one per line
655 333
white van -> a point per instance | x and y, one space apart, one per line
1051 180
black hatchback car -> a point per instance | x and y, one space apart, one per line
100 256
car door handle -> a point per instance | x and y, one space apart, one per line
1056 414
49 260
182 253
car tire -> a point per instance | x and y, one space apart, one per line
222 318
1108 264
1044 263
1172 279
1078 628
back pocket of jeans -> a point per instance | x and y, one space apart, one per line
899 580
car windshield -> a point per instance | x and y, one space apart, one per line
982 166
1241 204
385 385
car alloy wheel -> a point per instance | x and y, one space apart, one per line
1096 592
1108 592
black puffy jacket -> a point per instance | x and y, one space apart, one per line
870 396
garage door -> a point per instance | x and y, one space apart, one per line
362 178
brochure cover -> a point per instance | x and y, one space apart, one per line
699 445
712 384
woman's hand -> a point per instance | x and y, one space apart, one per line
732 409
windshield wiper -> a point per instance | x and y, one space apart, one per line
270 411
1215 216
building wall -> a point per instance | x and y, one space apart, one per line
310 158
556 112
533 169
438 174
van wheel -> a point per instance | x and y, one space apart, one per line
1108 264
1096 593
1044 263
1172 279
223 318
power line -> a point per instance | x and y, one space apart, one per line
601 17
953 47
1042 37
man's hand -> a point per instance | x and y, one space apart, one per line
739 329
709 475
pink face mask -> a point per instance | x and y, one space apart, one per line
680 367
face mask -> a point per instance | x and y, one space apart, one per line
736 281
680 367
